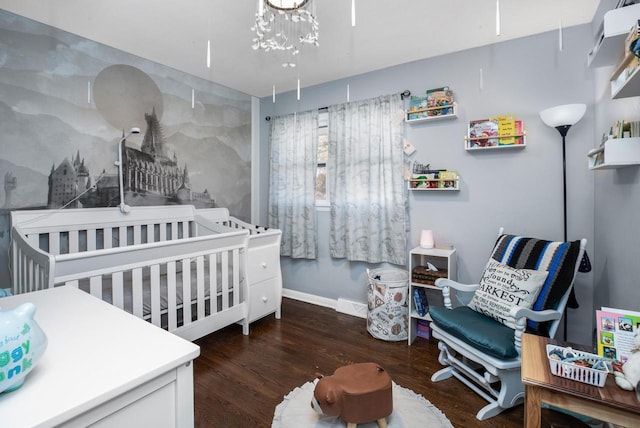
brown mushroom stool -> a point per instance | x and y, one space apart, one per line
367 394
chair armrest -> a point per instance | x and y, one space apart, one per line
538 316
520 315
447 284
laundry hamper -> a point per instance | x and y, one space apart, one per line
388 305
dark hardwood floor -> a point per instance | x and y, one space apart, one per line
239 379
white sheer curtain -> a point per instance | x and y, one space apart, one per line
365 173
294 151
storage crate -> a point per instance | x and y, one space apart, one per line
572 371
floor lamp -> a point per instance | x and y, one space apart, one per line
562 118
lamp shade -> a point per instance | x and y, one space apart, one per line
567 114
426 239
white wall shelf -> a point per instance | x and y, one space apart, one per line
433 118
444 259
625 80
616 153
469 144
609 43
435 185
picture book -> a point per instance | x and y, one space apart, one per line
616 329
417 108
440 101
506 129
483 133
449 179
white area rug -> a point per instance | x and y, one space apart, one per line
410 410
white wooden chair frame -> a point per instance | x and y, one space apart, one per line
480 371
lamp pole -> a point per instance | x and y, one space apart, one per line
563 129
562 117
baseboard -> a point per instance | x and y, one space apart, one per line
309 298
348 307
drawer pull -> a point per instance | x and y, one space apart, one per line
264 299
264 265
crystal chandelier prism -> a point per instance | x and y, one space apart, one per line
285 25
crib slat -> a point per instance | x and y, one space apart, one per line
186 292
163 232
174 230
150 233
224 265
172 305
137 300
91 239
122 236
95 286
236 277
74 241
200 286
213 283
108 237
137 234
155 295
117 290
54 243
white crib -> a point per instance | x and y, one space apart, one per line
180 268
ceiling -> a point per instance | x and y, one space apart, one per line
387 32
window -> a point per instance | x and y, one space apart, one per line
322 196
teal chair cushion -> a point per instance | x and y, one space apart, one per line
484 333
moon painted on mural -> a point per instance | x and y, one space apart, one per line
123 94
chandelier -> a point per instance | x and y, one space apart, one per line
285 25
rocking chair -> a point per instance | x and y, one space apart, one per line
481 348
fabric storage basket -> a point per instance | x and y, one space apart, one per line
572 371
388 308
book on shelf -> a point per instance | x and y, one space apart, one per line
616 329
506 126
420 301
417 303
426 179
424 275
448 179
423 329
483 133
439 101
417 108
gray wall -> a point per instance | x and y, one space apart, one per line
519 189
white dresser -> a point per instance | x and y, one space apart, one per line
102 368
265 277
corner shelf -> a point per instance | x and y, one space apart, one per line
432 118
616 153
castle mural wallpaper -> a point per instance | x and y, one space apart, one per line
65 104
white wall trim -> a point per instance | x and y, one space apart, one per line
344 306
